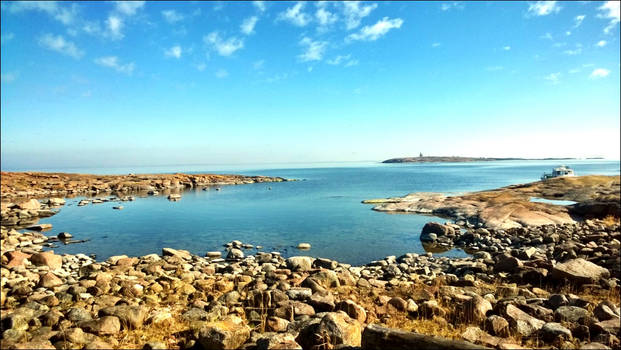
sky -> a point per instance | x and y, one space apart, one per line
104 84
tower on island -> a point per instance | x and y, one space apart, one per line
420 154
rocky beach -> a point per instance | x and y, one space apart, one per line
528 283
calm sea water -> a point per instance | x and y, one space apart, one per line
324 210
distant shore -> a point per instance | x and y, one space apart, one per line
436 159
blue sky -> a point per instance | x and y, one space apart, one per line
122 84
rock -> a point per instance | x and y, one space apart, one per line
98 344
35 344
579 271
50 280
64 235
497 326
376 337
235 254
430 308
300 263
276 324
353 310
507 264
569 313
299 293
106 325
55 201
553 331
603 312
398 303
435 228
155 345
40 227
322 302
479 336
521 322
183 254
131 317
278 341
76 336
557 300
78 315
118 207
214 254
335 328
16 258
304 246
476 309
609 326
49 259
31 204
594 346
230 333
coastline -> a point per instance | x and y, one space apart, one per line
552 285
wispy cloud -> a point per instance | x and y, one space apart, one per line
113 62
59 44
8 77
346 60
506 48
601 43
222 73
224 47
129 8
446 6
314 50
295 15
5 38
258 65
64 14
172 16
201 67
260 5
547 36
599 73
114 26
436 45
376 31
247 26
325 18
355 11
543 8
578 20
174 51
574 52
553 78
610 9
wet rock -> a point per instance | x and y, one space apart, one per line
64 235
229 333
235 254
106 325
304 246
579 271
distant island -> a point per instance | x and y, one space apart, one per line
434 159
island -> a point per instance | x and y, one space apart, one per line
457 159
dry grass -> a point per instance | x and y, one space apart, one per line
611 220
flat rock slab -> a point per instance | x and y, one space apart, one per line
376 337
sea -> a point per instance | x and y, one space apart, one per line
324 208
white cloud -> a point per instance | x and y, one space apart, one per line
114 25
174 51
247 27
172 16
354 13
506 48
325 17
64 14
222 73
451 5
314 50
599 73
260 5
345 59
113 62
8 77
601 43
543 8
547 36
129 8
295 15
610 9
578 20
553 78
436 45
257 65
568 33
224 47
379 29
5 38
59 44
573 52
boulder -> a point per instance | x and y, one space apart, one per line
183 254
56 201
335 328
50 280
300 263
277 341
106 325
475 309
497 325
570 313
16 258
521 322
235 254
376 337
353 310
553 331
31 204
579 271
230 333
49 259
131 317
507 264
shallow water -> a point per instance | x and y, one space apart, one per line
324 210
552 201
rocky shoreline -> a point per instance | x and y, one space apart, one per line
532 291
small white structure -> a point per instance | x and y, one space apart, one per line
559 172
